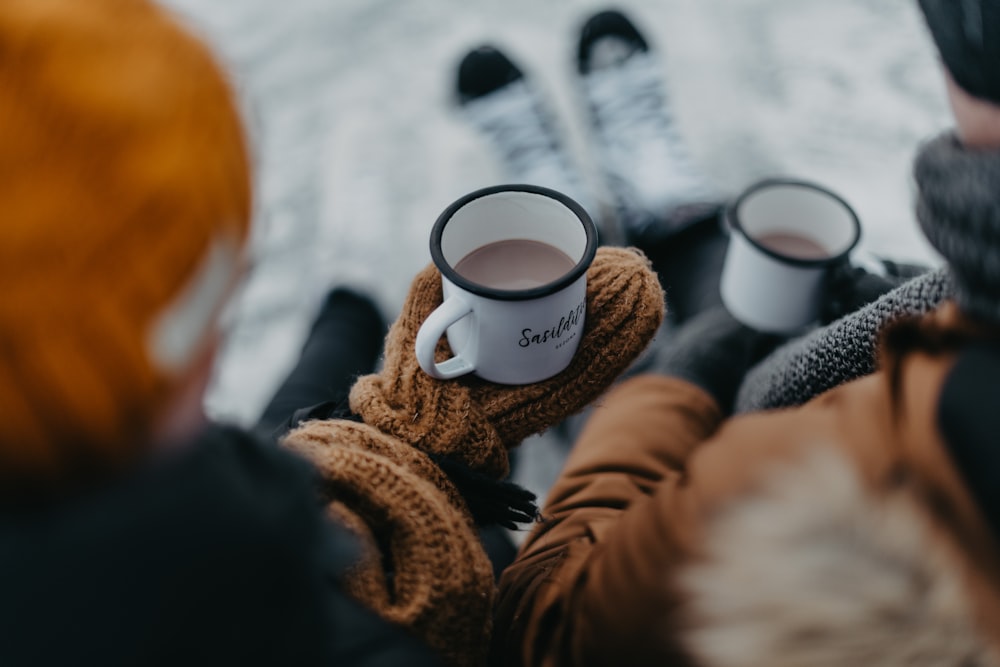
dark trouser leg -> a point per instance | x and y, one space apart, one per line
345 342
499 547
689 265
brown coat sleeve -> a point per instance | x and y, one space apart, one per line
596 582
651 424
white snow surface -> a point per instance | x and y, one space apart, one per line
358 145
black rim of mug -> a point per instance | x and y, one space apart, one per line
732 221
514 295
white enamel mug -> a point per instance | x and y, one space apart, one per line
769 285
508 336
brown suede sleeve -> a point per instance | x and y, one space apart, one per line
636 443
596 583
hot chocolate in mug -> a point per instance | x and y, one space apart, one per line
513 262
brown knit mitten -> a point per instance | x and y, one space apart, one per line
475 421
424 566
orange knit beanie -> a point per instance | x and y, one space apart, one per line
124 202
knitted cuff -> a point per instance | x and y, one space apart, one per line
839 352
959 211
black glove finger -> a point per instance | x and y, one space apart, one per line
850 288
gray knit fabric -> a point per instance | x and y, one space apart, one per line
839 352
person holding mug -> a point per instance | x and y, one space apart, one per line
133 531
857 524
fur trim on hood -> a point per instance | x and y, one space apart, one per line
815 570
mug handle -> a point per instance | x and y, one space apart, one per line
452 310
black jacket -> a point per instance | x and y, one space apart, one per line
220 555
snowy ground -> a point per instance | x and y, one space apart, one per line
359 148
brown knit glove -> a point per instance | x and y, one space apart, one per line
424 567
475 421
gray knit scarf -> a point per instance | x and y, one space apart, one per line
958 208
